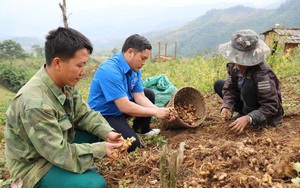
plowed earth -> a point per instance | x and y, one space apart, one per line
215 156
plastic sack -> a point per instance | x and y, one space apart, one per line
162 88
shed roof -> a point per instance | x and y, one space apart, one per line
289 35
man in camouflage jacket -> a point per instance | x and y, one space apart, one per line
48 122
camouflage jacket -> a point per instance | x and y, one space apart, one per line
40 128
260 84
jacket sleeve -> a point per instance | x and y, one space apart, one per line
268 97
230 89
89 120
48 137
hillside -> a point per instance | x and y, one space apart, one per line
206 32
202 34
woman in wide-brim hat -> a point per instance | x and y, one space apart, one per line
251 87
245 48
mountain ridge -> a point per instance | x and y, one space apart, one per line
206 32
202 34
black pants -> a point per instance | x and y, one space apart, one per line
249 96
250 101
140 124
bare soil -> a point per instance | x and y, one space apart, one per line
215 156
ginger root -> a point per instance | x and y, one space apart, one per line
173 112
126 144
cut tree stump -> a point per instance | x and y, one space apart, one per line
170 162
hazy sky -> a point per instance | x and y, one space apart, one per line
175 3
94 4
21 17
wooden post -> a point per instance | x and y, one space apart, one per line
166 49
158 50
175 49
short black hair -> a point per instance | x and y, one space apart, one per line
64 43
137 42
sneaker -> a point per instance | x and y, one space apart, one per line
152 132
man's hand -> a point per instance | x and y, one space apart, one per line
240 123
165 114
114 137
113 142
117 153
226 114
111 147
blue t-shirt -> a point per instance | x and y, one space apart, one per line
113 80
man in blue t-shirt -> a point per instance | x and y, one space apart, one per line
117 91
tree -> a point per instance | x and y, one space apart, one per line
63 8
11 50
38 50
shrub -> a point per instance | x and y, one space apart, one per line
13 78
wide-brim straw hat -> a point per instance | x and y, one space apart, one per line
245 48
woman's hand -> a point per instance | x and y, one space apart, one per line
226 114
240 123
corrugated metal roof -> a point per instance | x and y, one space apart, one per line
289 35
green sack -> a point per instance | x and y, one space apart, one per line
162 88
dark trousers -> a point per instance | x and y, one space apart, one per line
140 124
250 101
218 86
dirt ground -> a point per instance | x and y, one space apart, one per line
214 156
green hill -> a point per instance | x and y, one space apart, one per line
206 32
